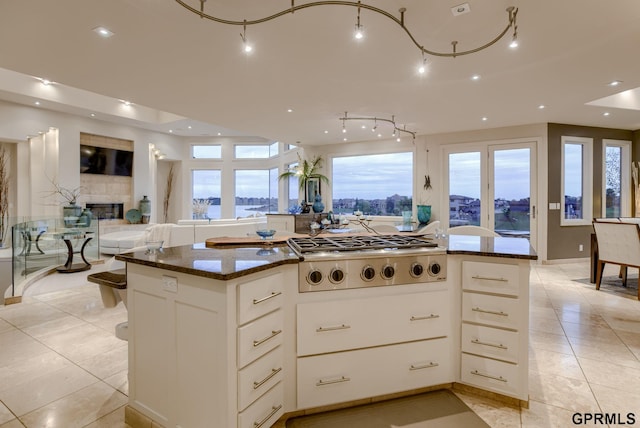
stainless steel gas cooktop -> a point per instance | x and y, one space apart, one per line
319 244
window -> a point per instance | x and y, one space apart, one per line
206 193
256 191
252 151
273 149
293 186
464 189
616 187
577 181
374 184
208 151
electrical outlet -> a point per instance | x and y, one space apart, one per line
580 247
170 283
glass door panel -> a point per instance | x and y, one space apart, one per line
464 189
512 208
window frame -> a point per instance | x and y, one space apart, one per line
587 181
193 146
625 172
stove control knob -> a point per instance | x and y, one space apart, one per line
416 270
368 273
314 277
434 268
387 272
336 276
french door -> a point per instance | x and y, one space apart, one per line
493 186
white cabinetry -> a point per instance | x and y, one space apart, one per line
205 352
495 326
362 346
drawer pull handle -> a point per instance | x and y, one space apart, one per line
424 366
274 372
488 278
273 334
264 299
484 311
427 317
274 410
477 373
329 382
477 342
337 327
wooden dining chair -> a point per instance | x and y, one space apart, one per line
618 243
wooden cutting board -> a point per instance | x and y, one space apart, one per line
243 240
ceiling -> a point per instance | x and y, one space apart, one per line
180 71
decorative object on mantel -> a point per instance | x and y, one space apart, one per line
167 195
133 216
635 166
4 198
359 29
145 209
424 209
308 178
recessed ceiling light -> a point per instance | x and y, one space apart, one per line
475 77
189 126
541 106
125 102
45 82
379 135
171 131
219 133
37 103
289 110
615 83
461 9
484 119
93 115
326 132
103 32
606 113
344 139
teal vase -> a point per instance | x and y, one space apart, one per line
318 206
424 213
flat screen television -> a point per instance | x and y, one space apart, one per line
101 160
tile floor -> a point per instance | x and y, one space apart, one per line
61 365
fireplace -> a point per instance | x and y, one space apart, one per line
106 211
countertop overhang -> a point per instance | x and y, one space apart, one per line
512 248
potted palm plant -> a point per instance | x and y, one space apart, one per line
307 172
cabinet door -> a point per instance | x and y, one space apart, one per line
358 323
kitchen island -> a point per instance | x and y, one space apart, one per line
224 338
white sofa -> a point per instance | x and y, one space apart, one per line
186 232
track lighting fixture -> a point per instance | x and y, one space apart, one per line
359 34
246 47
392 121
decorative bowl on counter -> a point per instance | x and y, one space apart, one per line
266 233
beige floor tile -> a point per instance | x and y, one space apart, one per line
494 413
555 364
14 345
78 409
120 381
82 343
5 326
538 312
547 325
14 423
624 321
549 342
540 415
25 315
114 419
30 367
5 414
612 353
563 392
615 400
55 326
593 319
35 393
602 334
611 375
107 363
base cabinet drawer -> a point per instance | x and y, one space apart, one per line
344 376
491 310
491 278
490 342
341 325
259 376
492 375
264 412
259 337
259 297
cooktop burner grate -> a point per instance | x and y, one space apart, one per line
357 243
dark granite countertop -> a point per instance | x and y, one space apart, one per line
513 248
216 263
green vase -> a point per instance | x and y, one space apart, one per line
424 213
